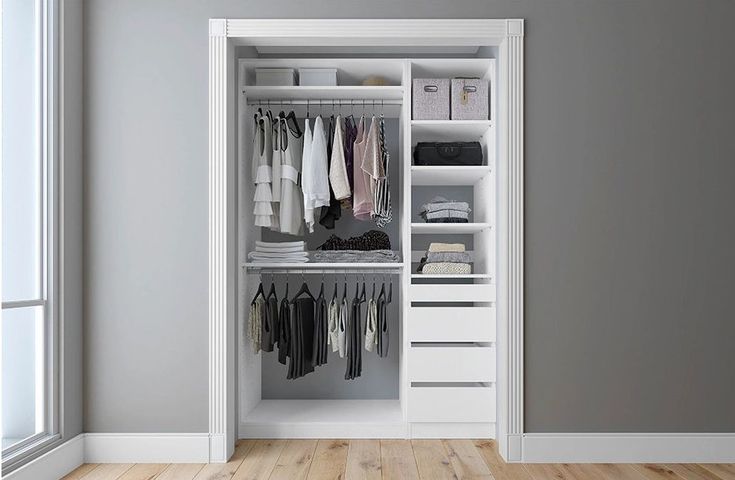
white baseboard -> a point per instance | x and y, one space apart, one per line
54 464
322 430
628 448
452 430
146 448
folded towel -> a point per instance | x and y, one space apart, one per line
446 268
286 257
301 244
446 247
279 249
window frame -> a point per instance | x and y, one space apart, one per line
47 33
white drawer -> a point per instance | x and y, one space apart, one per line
447 324
451 364
451 404
476 292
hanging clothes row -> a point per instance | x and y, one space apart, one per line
302 328
302 177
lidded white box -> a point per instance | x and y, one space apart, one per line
430 99
469 99
318 77
275 77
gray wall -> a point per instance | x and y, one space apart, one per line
629 173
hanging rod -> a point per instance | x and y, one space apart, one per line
325 271
352 102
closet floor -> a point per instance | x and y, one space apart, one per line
387 459
326 411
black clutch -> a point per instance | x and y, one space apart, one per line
447 153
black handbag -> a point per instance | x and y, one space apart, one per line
447 153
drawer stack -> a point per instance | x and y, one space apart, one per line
451 362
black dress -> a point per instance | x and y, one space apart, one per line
302 326
383 332
354 336
320 330
269 327
284 330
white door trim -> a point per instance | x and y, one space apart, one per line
224 35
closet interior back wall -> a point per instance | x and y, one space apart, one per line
379 379
347 226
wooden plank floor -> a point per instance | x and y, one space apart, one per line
389 459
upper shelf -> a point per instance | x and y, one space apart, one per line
448 130
447 174
448 228
324 93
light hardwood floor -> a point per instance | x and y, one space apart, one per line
388 459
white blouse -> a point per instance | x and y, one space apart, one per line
314 175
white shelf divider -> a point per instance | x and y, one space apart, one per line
324 93
447 175
448 130
448 228
451 275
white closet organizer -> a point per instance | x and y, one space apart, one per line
455 363
440 379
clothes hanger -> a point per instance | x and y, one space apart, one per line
286 295
362 294
344 292
296 129
372 296
390 291
272 292
304 289
259 292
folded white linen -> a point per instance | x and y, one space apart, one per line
295 255
279 249
259 243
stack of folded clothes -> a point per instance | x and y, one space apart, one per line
279 252
447 259
356 256
441 210
370 247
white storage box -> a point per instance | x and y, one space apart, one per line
275 77
469 99
430 99
318 77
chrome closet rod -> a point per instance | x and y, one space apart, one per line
353 102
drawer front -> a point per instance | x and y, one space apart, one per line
479 292
446 324
451 404
451 364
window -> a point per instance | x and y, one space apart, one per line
29 322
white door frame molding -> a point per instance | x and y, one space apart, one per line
224 36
